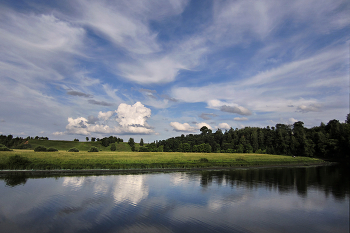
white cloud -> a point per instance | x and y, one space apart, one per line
240 119
105 115
132 119
228 107
292 120
224 126
160 70
58 133
40 45
309 108
133 115
236 109
185 127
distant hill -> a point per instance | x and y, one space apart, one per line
81 146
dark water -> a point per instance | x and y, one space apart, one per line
313 199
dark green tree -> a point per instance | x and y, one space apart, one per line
347 121
141 142
131 142
113 147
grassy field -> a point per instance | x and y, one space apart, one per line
81 146
28 159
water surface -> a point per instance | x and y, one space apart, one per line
313 199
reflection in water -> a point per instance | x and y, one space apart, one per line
330 179
15 179
313 199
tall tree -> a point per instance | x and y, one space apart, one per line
141 142
131 142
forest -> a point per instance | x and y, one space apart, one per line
331 140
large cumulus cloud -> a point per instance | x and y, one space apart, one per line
130 119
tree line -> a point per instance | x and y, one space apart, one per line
331 140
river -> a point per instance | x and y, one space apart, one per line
289 199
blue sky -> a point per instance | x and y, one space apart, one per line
157 69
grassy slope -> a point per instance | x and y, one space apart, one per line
128 160
81 146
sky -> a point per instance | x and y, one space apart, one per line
156 69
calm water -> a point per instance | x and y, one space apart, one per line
314 199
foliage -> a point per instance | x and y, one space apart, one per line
93 149
73 150
76 140
51 149
18 162
40 149
113 147
44 149
143 149
131 142
87 139
204 160
4 148
108 140
141 142
330 140
23 146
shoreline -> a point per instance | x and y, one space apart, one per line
151 170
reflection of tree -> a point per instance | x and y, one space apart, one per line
15 179
330 179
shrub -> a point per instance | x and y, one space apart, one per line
204 160
93 149
143 149
4 148
40 148
51 149
23 146
73 150
17 162
113 147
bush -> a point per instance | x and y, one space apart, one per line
23 146
73 150
143 149
40 148
18 162
4 148
51 149
204 160
93 149
113 147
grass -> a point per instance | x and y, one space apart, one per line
135 160
81 146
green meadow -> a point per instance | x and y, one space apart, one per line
81 146
62 159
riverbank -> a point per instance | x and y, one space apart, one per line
83 172
119 161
